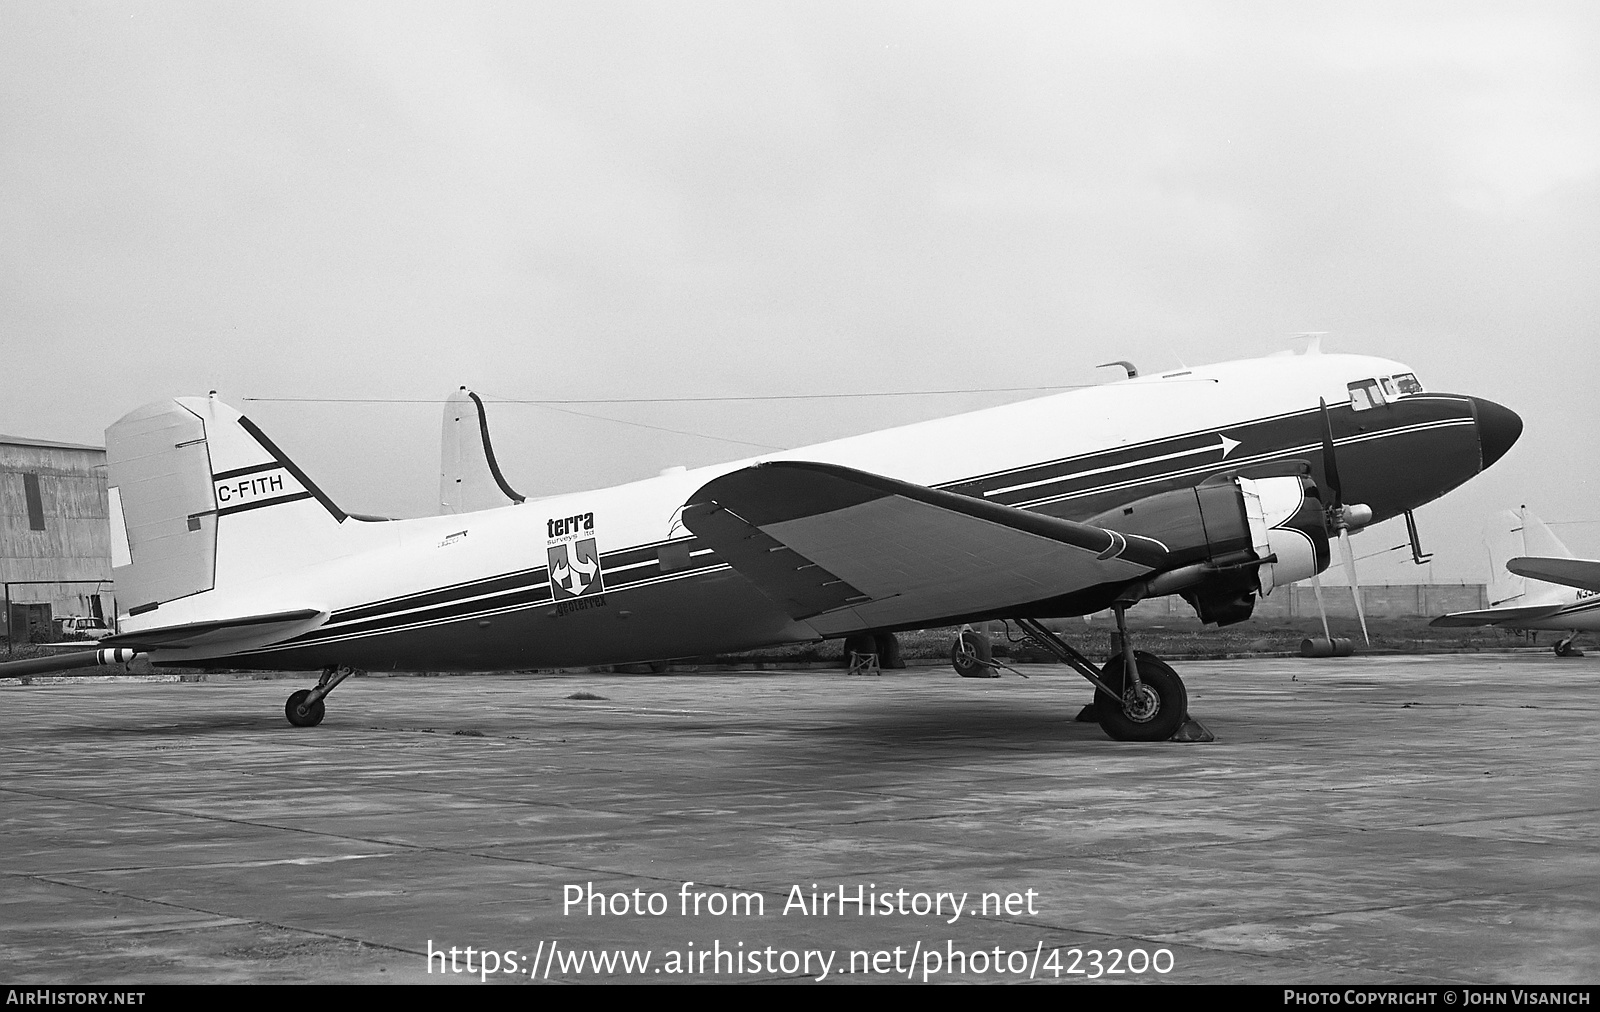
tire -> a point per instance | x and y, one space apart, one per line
888 647
313 715
971 654
1166 699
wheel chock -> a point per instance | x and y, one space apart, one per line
863 664
1321 646
1192 730
1088 715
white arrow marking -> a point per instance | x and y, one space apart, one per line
1227 445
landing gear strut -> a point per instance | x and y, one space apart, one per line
1138 697
305 708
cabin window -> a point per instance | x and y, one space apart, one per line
1365 394
1407 382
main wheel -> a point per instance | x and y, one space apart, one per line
971 656
311 717
1155 713
888 645
1567 648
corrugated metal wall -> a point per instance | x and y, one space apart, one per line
76 541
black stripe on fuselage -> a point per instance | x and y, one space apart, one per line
524 589
1068 490
1578 608
1201 452
505 584
239 472
228 511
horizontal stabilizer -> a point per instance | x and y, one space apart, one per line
1584 574
849 550
204 637
1494 616
65 662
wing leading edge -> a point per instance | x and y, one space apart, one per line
847 550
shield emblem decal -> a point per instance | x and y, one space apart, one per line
575 570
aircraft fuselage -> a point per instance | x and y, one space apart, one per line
611 575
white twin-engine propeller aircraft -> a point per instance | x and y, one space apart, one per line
1535 582
1217 483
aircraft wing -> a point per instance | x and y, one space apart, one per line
1494 616
847 550
1584 574
209 638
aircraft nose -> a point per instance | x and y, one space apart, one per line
1498 428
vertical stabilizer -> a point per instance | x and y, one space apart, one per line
1519 533
469 476
202 500
1539 540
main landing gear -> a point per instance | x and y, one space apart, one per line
305 708
1566 648
1138 697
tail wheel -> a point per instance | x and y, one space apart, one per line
972 656
301 715
1154 713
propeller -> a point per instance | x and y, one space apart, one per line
1342 518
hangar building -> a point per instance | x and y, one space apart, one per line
55 535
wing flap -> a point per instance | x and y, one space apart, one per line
846 549
1581 574
798 585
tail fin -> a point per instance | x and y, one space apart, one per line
469 475
201 498
1540 540
1519 533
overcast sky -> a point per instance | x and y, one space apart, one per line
642 199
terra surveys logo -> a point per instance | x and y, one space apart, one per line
574 559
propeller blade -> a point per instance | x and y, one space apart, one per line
1348 557
1316 585
1330 460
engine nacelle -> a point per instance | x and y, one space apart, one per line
1229 539
1288 524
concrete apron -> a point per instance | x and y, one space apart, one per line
1403 819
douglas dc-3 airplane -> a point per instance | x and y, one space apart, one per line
1535 583
1217 483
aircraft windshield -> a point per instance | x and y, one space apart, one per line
1365 395
1407 382
1372 393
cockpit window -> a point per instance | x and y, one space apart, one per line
1388 387
1365 395
1407 382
